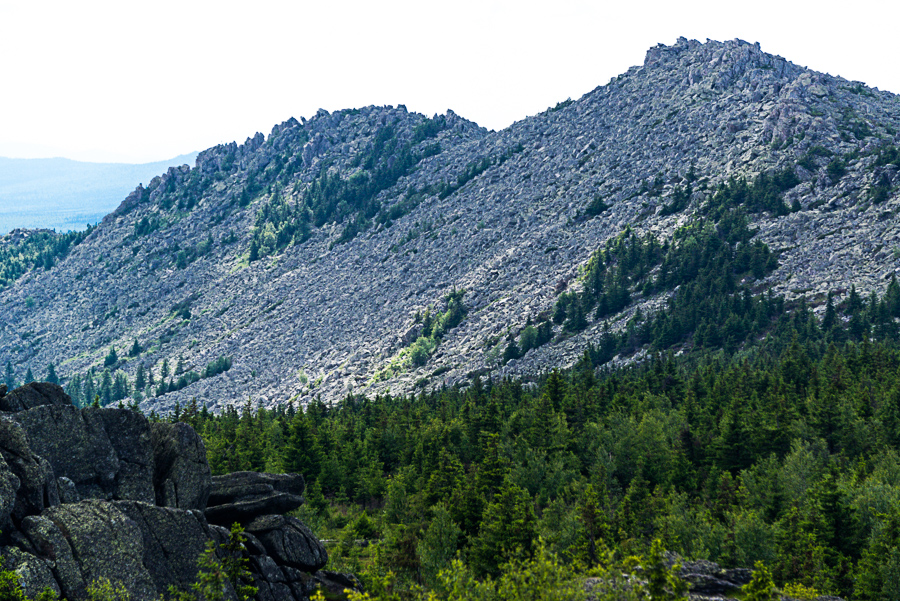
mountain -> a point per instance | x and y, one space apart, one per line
66 195
375 249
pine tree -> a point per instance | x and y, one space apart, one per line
508 529
51 374
111 358
10 377
140 381
302 454
28 376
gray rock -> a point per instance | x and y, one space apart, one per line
337 582
67 491
289 542
104 543
172 542
242 496
709 585
35 573
48 542
182 475
9 486
34 394
36 486
103 451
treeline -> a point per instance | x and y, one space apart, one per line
38 250
784 452
112 385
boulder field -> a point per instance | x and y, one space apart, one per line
94 493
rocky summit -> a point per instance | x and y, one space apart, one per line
311 261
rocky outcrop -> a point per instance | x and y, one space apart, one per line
289 541
241 496
33 395
182 477
94 494
105 452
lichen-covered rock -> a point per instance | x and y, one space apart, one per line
129 434
36 482
105 452
182 476
9 486
289 542
106 544
173 540
46 540
242 496
35 573
34 394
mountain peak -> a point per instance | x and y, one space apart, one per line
317 261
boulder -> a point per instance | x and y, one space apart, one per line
336 582
36 487
705 584
33 395
129 435
181 475
9 486
105 543
242 496
46 540
289 542
35 573
173 540
100 450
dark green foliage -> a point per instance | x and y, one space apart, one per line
9 376
40 249
681 196
221 569
764 194
888 156
217 366
785 453
51 374
147 225
836 169
111 358
474 169
881 189
28 376
135 349
596 206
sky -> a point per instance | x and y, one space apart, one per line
144 81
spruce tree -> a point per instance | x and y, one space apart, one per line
28 376
139 379
51 374
10 377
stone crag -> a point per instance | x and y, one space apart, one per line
201 263
90 494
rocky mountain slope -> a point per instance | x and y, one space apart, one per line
306 257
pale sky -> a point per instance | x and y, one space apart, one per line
144 81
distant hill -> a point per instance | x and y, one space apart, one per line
66 195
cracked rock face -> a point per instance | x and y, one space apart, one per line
242 496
